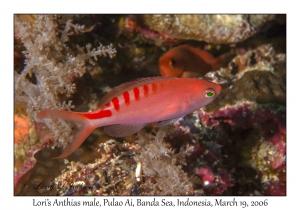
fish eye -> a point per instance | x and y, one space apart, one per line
209 93
172 63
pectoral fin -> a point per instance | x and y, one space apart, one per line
123 130
167 122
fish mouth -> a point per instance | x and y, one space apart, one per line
162 72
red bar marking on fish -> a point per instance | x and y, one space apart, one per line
136 92
108 104
126 97
146 90
154 87
98 115
116 104
161 84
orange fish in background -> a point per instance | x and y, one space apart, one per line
127 108
188 61
21 129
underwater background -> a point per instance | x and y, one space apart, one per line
236 145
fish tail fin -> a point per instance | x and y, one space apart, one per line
61 114
223 60
78 138
82 131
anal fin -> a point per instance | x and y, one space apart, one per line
79 137
122 130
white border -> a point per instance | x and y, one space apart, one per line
154 6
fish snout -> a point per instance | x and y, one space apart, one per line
162 71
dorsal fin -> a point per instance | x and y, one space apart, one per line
201 53
128 86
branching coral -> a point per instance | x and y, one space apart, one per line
47 80
161 162
51 66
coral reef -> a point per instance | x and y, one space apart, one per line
111 174
234 146
262 144
258 75
216 29
47 80
51 67
112 170
135 23
161 163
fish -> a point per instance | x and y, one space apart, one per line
187 61
127 108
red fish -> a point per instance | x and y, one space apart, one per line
188 61
127 108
